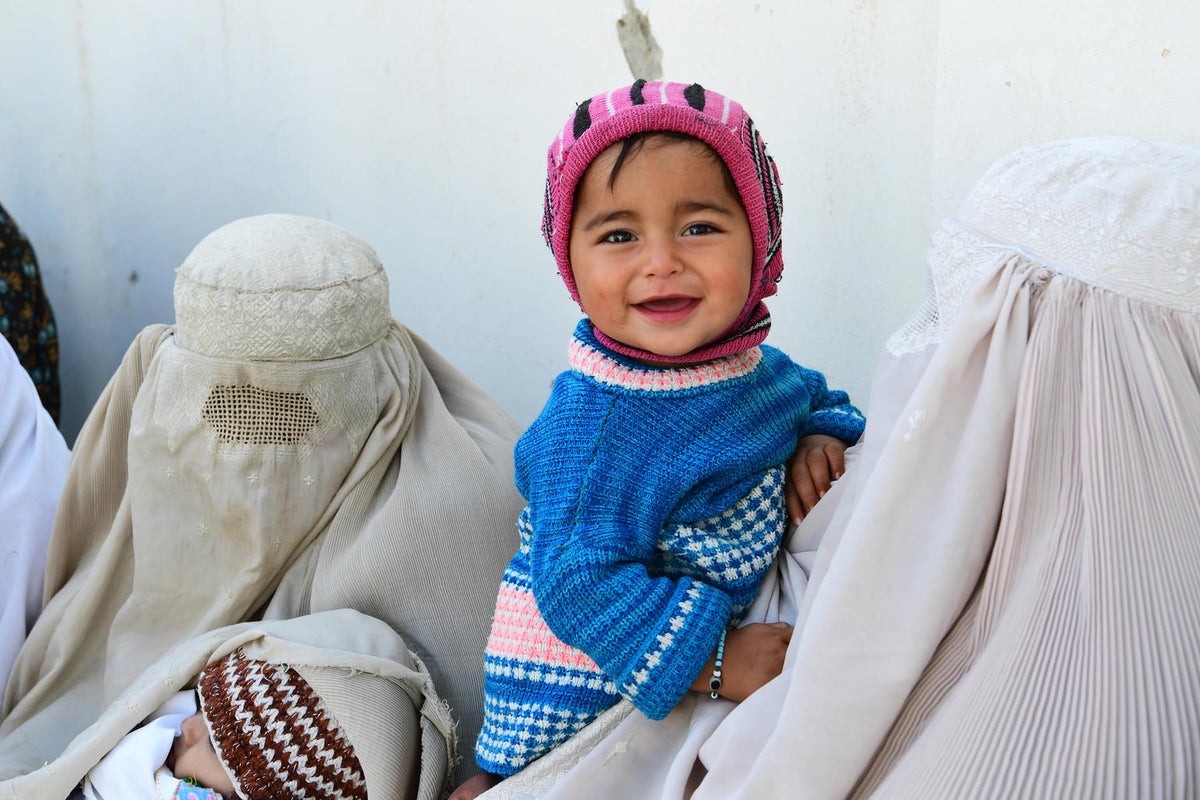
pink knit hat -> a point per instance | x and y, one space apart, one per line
714 119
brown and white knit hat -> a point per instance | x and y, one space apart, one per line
274 734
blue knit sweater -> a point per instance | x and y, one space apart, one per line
655 507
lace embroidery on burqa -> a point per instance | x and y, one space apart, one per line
1096 209
284 409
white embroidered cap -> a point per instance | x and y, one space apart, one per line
1118 213
279 287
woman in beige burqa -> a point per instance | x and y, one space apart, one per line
1001 598
286 447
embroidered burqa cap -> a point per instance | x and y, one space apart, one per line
324 296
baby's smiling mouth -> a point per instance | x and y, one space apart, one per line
668 309
666 305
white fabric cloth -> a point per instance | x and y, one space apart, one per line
1003 601
33 466
133 770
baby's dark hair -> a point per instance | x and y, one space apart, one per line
631 145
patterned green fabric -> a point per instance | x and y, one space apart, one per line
26 319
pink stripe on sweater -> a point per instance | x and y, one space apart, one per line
592 362
519 632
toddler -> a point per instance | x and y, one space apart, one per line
654 477
260 732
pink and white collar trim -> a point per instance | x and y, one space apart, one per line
599 365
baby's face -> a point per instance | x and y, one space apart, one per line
662 257
193 757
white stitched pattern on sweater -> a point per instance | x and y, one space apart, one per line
732 549
654 657
545 725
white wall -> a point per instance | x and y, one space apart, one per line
132 128
1026 71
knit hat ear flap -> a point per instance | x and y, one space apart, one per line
719 122
274 735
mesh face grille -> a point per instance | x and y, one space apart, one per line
248 415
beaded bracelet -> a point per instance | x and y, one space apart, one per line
714 683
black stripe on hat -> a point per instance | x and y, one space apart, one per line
764 168
694 95
635 92
583 118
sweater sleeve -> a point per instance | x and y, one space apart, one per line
596 513
830 411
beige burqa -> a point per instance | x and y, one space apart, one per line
380 694
1003 593
286 445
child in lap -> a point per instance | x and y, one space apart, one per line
654 477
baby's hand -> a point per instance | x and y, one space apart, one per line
817 461
475 786
753 656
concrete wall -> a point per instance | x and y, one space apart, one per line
132 128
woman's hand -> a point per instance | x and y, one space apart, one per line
817 462
753 656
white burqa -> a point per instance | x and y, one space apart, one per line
1004 599
33 466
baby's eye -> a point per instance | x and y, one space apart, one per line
617 237
699 229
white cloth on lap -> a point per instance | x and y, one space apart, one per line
133 770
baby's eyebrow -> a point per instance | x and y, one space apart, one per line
605 217
694 206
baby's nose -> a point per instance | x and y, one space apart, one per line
193 729
662 259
